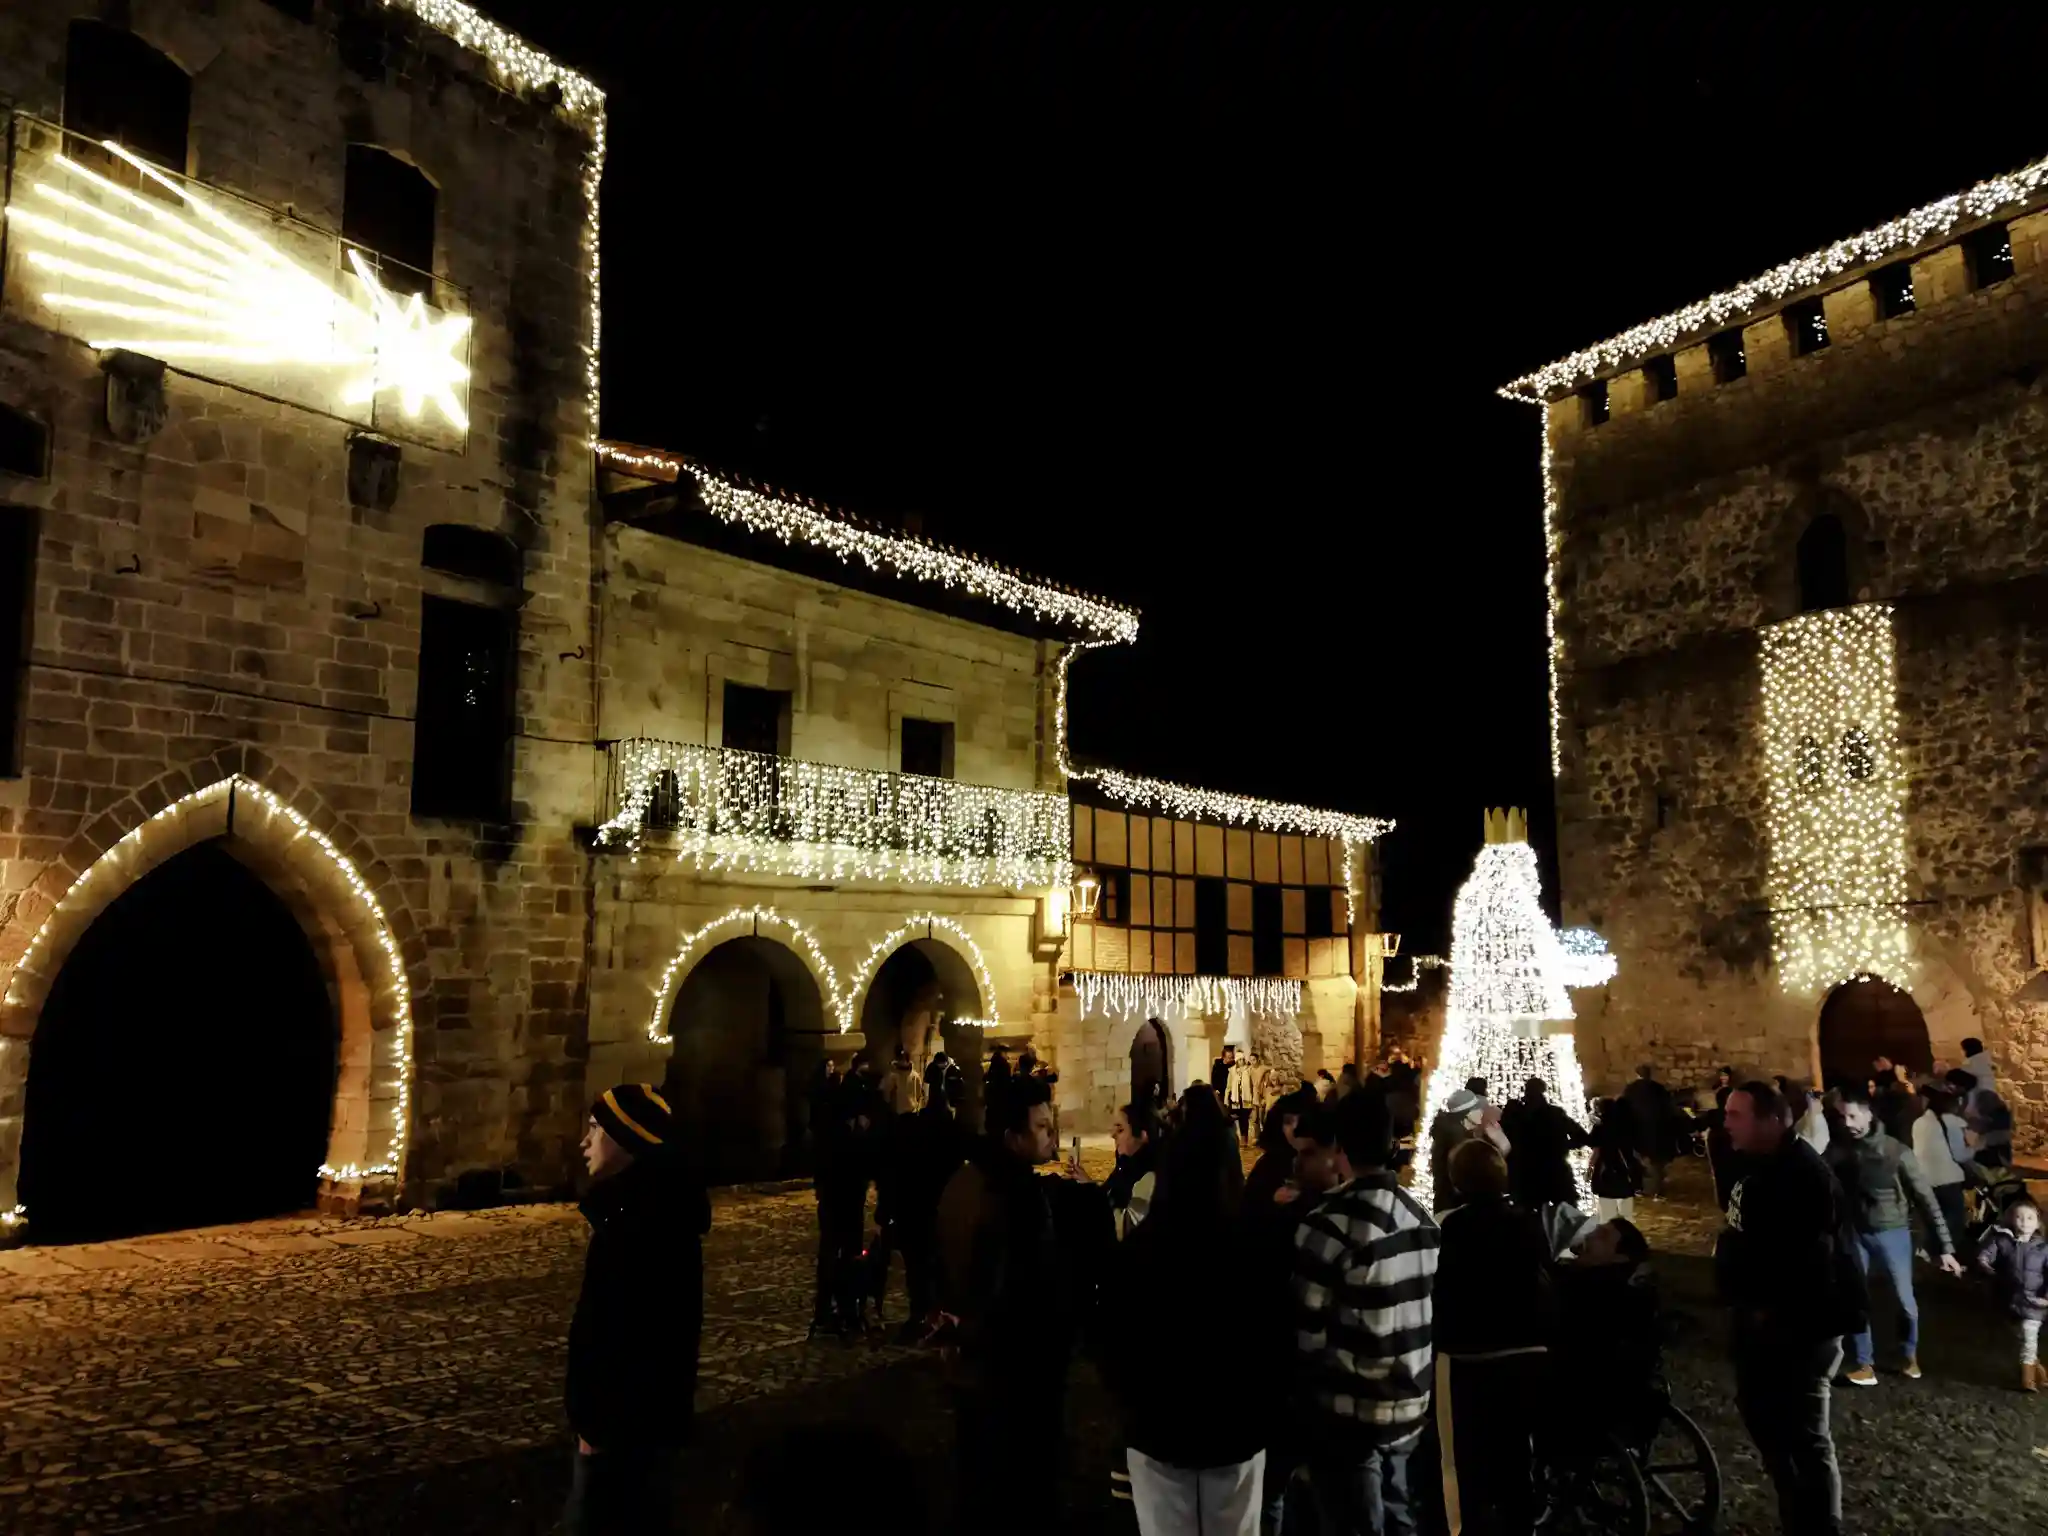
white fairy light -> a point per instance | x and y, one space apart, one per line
1417 964
2005 195
749 919
904 933
755 813
13 1218
1553 544
1835 798
798 522
218 291
1185 802
401 992
1584 958
1127 995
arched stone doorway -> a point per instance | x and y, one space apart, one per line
184 1063
1868 1017
748 1031
336 909
913 1000
1151 1063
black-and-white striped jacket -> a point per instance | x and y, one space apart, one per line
1364 1263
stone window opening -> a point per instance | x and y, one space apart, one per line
927 748
755 720
463 719
476 554
1891 288
18 528
1593 400
1726 357
1807 326
1662 372
24 444
1859 756
1988 254
387 212
1823 559
118 87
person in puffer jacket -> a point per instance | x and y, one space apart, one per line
2015 1255
1883 1182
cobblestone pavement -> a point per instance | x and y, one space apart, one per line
403 1375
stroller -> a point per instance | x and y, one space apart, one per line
1987 1191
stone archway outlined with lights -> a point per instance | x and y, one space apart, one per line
320 871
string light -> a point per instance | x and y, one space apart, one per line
219 292
1584 959
1185 802
897 937
13 1218
114 860
1417 964
1553 546
1509 971
753 812
1835 798
2001 194
800 522
1144 996
750 918
524 67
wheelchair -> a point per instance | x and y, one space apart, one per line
1653 1473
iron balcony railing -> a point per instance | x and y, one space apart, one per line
752 810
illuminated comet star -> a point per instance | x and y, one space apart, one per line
200 287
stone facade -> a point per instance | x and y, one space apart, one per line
209 603
1678 526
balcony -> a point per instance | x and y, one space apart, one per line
748 812
124 256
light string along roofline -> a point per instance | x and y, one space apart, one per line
797 522
2001 194
524 67
400 989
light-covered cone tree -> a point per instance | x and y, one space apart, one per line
1509 973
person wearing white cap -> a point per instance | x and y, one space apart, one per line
1465 1117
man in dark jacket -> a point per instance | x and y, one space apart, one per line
1784 1267
1495 1320
846 1150
1656 1126
1018 1255
923 1154
1541 1138
639 1319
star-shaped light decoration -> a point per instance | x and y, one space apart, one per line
199 287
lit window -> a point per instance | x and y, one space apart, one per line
1988 253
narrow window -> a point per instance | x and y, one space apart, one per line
17 621
1212 927
1892 288
928 748
1662 373
1114 906
1320 912
1824 564
1807 326
387 211
118 87
462 727
756 720
1988 252
24 445
1268 953
1725 355
1595 397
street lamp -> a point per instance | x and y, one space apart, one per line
1087 893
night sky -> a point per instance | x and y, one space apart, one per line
1205 311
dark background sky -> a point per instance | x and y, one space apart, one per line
1204 310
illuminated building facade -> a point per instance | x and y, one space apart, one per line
1799 650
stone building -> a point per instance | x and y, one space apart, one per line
295 499
1799 582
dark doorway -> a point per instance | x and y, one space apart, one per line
921 984
182 1073
749 1032
1867 1018
1151 1063
1824 564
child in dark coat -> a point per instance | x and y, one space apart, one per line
2015 1254
639 1320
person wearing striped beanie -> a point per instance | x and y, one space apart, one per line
635 1338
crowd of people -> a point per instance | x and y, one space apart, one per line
1390 1363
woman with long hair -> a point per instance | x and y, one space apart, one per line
1196 1420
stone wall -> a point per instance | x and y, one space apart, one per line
212 597
1927 434
681 621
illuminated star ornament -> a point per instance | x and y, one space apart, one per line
1510 974
190 285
